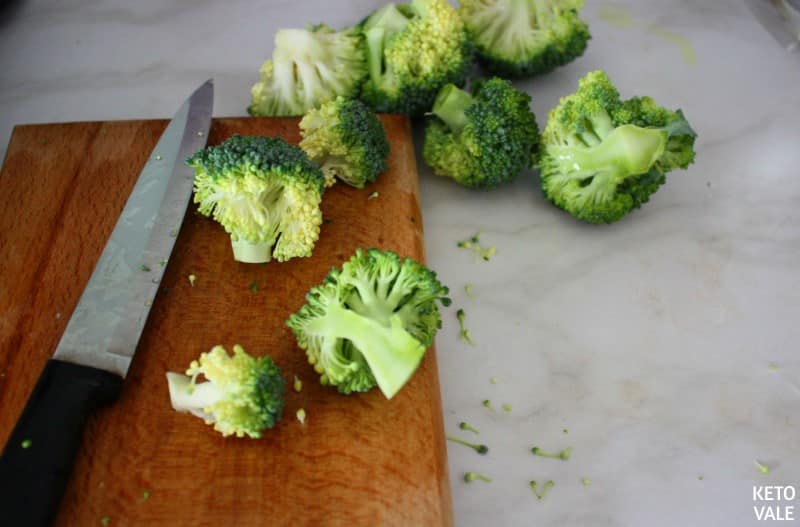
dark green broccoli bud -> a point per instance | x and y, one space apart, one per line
466 336
370 323
469 477
346 140
242 395
309 67
481 140
264 192
520 38
412 51
602 157
480 449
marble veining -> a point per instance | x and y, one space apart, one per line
663 348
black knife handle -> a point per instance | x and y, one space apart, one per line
36 463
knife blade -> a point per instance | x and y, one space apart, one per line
780 19
98 344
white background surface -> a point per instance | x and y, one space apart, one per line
649 340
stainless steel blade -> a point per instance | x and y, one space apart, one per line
780 19
105 326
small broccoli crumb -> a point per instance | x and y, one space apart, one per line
773 366
173 233
507 407
468 290
145 496
469 477
253 287
474 245
192 279
466 336
463 425
700 477
565 431
163 262
105 521
547 486
373 195
26 443
158 157
301 416
145 268
585 481
764 469
297 384
488 404
43 141
563 455
494 380
480 449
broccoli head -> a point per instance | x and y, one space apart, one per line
520 38
602 157
308 67
264 192
346 139
370 323
412 51
484 139
242 395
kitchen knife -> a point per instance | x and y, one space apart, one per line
97 346
781 18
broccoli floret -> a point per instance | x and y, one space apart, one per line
481 140
242 395
520 38
412 51
308 67
264 192
370 322
346 139
602 157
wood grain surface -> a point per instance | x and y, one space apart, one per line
359 460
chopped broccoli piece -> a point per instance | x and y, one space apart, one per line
412 51
602 157
370 322
520 38
468 290
264 192
297 385
301 415
764 469
474 244
481 140
463 425
488 404
346 140
309 67
26 443
373 195
105 521
506 407
586 481
480 449
469 477
192 279
242 395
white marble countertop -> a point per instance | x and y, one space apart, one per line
666 344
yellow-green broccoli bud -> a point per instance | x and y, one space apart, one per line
264 192
346 140
241 396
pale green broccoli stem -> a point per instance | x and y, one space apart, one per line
450 106
469 477
466 336
391 352
378 29
248 252
563 455
549 484
480 449
628 150
600 127
186 395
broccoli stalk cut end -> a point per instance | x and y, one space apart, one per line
450 105
391 352
251 252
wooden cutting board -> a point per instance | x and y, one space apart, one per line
359 460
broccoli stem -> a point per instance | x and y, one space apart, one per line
628 150
378 29
247 252
374 38
450 106
391 352
563 455
480 449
